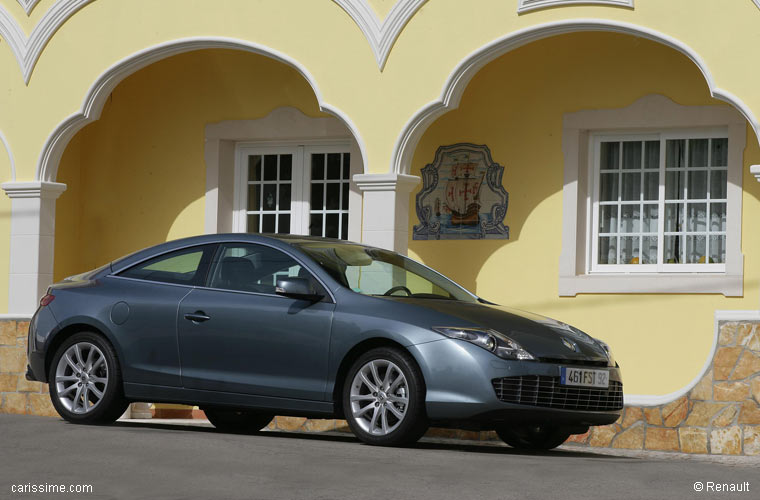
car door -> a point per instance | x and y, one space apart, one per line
144 313
237 335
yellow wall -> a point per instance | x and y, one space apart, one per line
137 176
515 106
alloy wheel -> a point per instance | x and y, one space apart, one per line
379 397
81 378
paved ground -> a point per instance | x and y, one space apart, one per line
158 460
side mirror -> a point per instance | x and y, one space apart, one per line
297 288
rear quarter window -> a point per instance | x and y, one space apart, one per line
182 267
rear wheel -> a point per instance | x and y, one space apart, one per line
384 398
85 380
237 421
533 437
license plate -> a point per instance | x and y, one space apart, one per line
584 377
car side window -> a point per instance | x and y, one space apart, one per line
183 267
254 268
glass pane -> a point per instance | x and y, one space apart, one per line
719 153
674 217
718 184
284 196
317 166
344 228
609 156
253 223
698 185
649 250
651 185
346 165
717 249
631 189
269 198
333 166
315 225
652 154
608 218
331 226
673 249
267 224
632 155
344 187
695 249
629 219
674 185
333 196
270 167
696 217
283 224
717 216
629 250
607 250
254 199
698 152
317 196
254 168
609 187
650 219
674 153
286 167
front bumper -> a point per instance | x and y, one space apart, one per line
461 389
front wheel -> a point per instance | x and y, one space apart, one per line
85 380
533 437
384 398
237 421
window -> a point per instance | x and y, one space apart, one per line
660 202
254 268
294 190
183 267
652 199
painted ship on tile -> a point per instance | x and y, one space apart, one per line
462 196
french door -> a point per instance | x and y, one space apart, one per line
293 190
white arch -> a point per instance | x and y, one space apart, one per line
50 156
457 81
10 155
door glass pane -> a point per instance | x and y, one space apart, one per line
675 182
318 166
696 217
719 153
269 198
254 168
649 250
629 219
286 167
650 218
610 156
652 155
717 249
695 249
632 155
269 193
673 249
344 199
254 197
697 153
284 197
333 166
268 223
609 187
629 250
698 185
333 196
283 224
608 250
675 153
651 185
631 189
331 226
346 166
717 217
270 167
674 217
329 195
718 184
608 218
315 225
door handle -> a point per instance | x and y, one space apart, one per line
197 317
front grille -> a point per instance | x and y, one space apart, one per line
581 362
547 392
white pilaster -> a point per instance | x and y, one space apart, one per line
385 212
31 242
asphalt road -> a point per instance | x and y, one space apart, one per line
158 461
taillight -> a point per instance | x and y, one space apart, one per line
47 299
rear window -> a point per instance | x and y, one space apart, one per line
183 267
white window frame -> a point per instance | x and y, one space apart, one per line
300 203
595 140
652 114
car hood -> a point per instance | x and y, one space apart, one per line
541 336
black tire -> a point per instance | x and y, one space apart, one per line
533 437
113 404
237 421
415 422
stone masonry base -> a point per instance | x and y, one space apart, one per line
720 415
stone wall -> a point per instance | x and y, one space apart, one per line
18 395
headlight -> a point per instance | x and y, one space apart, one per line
607 349
490 340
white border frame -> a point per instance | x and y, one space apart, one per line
529 5
652 113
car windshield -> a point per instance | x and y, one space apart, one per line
373 271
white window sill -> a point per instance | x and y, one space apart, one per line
730 285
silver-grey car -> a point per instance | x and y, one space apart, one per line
252 326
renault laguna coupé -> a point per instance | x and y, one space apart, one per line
252 326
